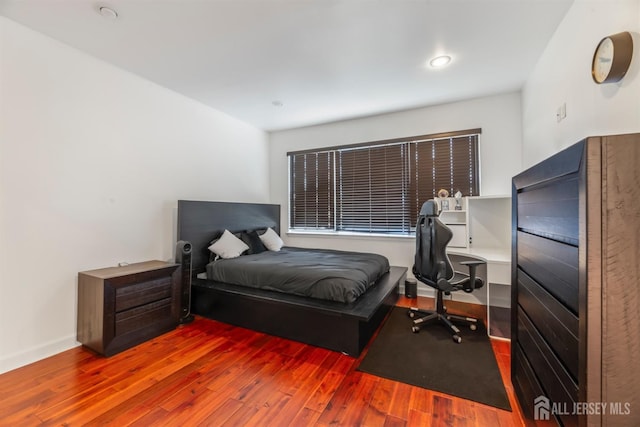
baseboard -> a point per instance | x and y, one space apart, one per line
26 357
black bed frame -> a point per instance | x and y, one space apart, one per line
341 327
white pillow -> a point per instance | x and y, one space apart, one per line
271 240
228 246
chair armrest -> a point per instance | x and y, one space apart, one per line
474 262
472 273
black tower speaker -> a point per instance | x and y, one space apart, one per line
411 288
183 257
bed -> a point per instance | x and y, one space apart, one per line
341 326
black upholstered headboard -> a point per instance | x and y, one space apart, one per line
200 222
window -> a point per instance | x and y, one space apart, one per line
311 189
379 187
371 189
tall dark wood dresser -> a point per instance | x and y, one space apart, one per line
576 285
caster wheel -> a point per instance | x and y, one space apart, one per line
415 329
473 327
411 314
457 339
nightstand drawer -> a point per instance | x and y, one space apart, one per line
143 293
142 317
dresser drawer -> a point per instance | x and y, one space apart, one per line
552 264
551 210
143 293
557 325
556 383
142 317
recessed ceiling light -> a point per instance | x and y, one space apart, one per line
108 13
440 61
277 103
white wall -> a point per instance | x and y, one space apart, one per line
500 156
92 162
563 74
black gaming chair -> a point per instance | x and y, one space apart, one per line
433 268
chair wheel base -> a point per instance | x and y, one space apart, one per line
473 327
457 339
415 329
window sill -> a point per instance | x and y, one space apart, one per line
327 233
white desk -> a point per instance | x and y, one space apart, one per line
498 276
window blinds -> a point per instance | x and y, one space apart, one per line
311 192
379 187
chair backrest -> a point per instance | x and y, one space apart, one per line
432 236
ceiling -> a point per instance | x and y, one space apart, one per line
323 60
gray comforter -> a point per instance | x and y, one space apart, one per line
317 273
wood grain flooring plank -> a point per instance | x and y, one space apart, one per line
348 405
442 411
399 406
305 417
221 414
418 418
241 417
391 421
421 400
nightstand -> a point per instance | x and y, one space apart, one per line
120 307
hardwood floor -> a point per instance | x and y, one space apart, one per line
211 374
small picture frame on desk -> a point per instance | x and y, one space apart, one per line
444 204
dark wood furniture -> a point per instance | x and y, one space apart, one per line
120 307
576 298
341 327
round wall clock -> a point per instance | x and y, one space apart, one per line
612 58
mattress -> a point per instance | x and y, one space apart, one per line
316 273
